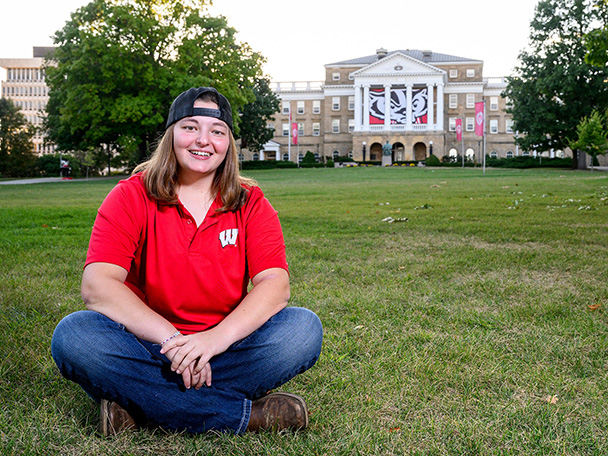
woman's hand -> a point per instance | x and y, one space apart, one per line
193 352
191 378
269 295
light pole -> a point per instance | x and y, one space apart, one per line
364 144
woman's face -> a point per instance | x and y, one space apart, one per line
200 143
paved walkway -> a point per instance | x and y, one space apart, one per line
37 180
44 180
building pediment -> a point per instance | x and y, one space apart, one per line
397 64
272 145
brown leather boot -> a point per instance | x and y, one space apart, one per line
278 411
113 419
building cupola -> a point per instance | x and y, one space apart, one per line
381 53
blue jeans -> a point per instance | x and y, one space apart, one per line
110 363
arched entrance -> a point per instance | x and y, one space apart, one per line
398 152
470 155
419 151
375 152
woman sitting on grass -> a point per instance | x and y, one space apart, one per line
172 337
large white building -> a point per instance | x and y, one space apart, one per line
26 87
347 115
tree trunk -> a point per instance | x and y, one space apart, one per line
142 151
109 154
582 160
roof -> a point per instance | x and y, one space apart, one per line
40 51
423 56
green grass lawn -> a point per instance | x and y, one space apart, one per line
474 323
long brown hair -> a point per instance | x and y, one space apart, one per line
160 173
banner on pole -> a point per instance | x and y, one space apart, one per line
294 133
458 129
479 114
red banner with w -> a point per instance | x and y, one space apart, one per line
479 114
294 133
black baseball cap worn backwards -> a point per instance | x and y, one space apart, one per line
183 106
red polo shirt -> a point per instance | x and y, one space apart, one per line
192 276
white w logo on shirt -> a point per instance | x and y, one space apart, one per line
228 237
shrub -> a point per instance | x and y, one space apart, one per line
432 160
529 162
270 164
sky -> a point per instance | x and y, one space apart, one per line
299 38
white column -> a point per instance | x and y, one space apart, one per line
408 110
366 107
440 106
430 123
387 106
358 108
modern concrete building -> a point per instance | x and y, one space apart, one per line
347 115
26 87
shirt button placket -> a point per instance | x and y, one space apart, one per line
191 230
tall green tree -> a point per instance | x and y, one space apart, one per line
255 116
553 87
120 63
16 146
597 39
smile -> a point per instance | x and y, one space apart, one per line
200 153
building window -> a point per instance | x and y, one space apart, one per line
493 154
316 128
300 157
470 100
285 157
241 157
493 126
351 125
351 103
317 157
452 123
470 154
470 72
335 103
493 103
453 101
256 156
335 154
335 126
453 74
470 123
300 128
286 107
509 126
509 154
316 107
526 153
300 107
335 76
453 153
285 129
270 125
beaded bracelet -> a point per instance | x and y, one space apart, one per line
169 338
